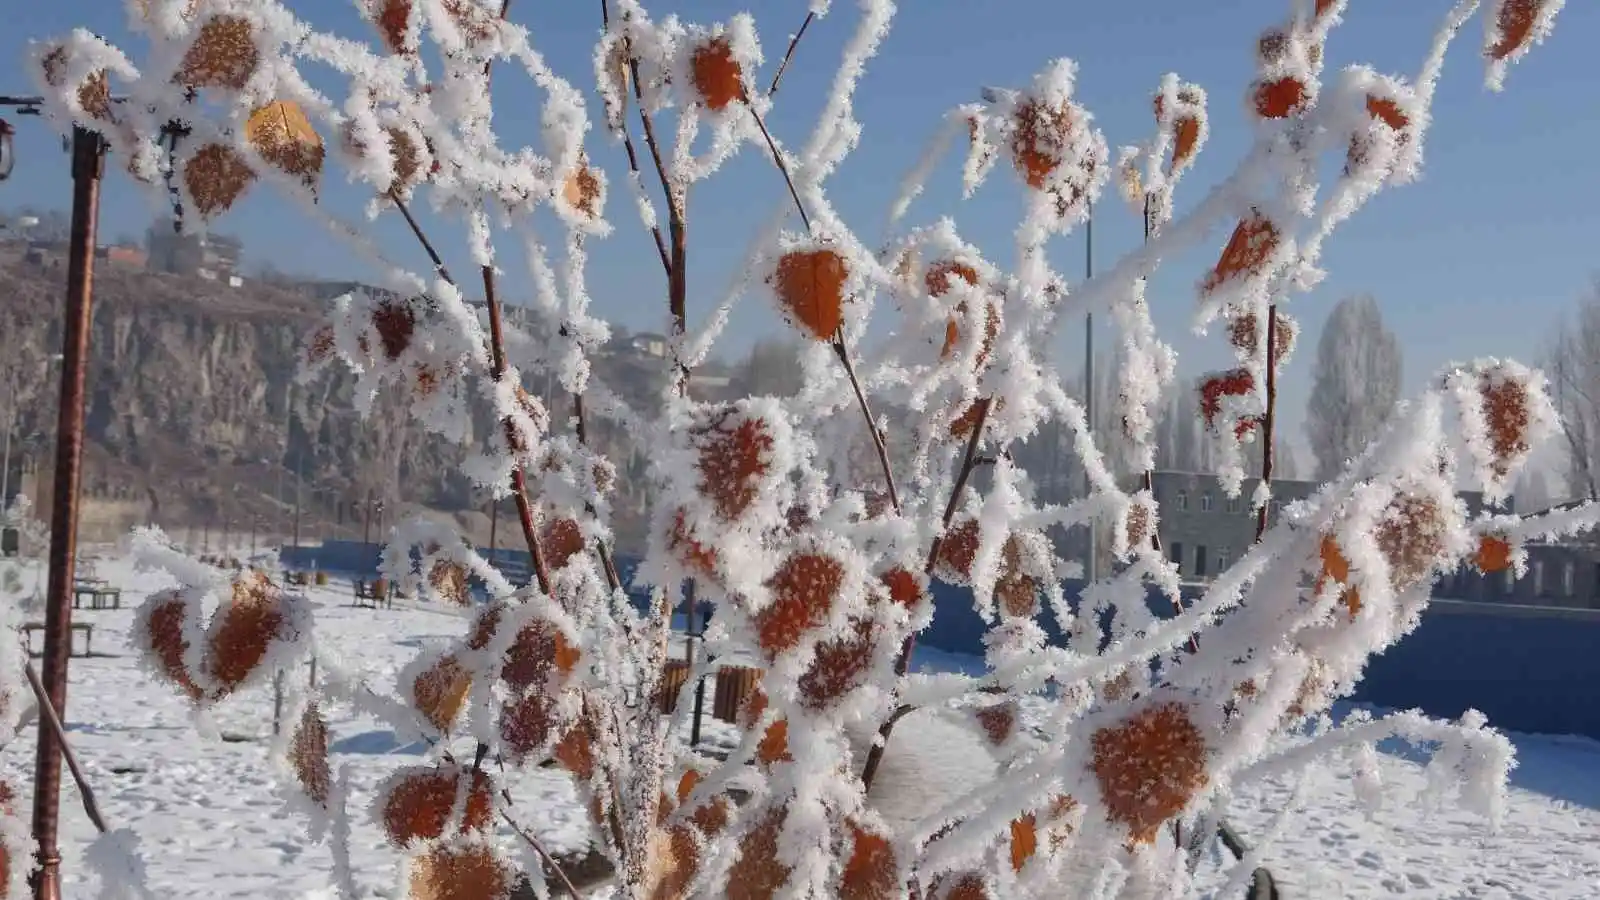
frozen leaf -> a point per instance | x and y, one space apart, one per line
224 54
1149 767
695 556
1513 27
839 667
393 19
905 588
581 190
527 724
998 721
575 752
562 540
1253 242
757 872
216 177
1280 97
1506 413
804 589
735 450
308 755
1494 554
243 630
396 324
1040 137
541 657
460 872
1411 537
871 871
166 635
1236 383
440 692
717 76
958 549
1024 841
774 745
810 285
449 581
419 801
282 134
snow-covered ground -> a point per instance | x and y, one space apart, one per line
210 824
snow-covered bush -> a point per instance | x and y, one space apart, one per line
819 567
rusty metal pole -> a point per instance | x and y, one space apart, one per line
88 157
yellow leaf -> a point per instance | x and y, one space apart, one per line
282 134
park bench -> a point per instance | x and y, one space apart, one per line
372 593
296 579
100 594
29 628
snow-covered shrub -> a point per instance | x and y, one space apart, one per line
819 566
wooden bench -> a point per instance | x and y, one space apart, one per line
28 628
368 595
672 681
734 685
297 579
100 595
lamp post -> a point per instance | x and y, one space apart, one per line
88 164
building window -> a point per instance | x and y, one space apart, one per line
1222 559
1200 561
1183 501
1205 502
1177 557
1233 504
1569 577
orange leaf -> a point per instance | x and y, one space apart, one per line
871 872
1149 767
223 55
308 755
452 872
1281 98
811 287
216 177
282 134
440 692
1251 245
1494 554
717 75
420 801
1515 25
803 592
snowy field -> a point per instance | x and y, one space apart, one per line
210 822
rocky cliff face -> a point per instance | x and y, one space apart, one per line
195 420
193 410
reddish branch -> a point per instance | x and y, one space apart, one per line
840 349
788 54
902 662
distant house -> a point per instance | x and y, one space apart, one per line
211 256
649 344
1204 531
1562 572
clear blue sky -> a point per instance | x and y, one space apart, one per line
1480 257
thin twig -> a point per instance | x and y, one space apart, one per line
903 662
47 713
840 348
422 238
627 136
783 167
519 480
1268 421
784 65
543 853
